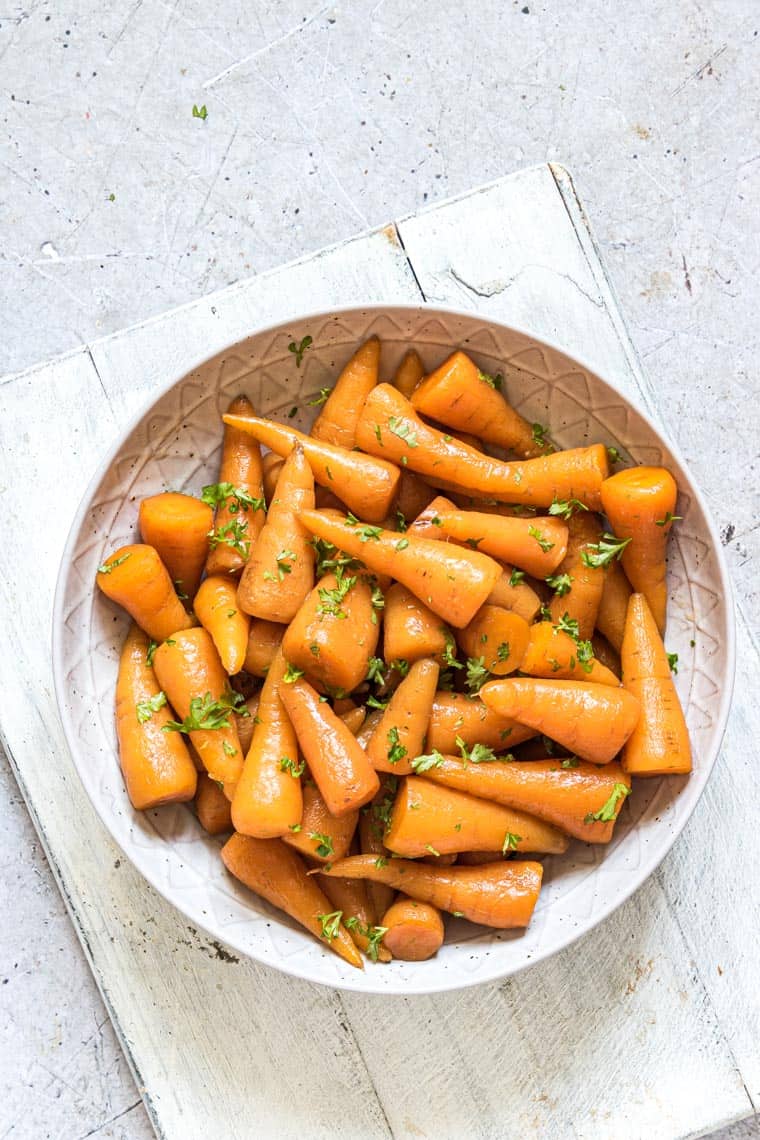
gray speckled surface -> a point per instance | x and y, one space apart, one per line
117 204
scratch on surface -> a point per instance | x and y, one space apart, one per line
488 289
266 47
706 67
99 1127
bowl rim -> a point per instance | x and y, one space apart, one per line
363 982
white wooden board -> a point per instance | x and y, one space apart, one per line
633 1031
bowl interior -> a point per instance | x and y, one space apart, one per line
175 445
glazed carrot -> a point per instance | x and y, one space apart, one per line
354 719
428 523
192 676
501 895
606 655
372 821
320 835
178 526
514 594
568 793
552 652
455 715
659 744
212 807
279 875
335 632
498 636
217 610
593 721
136 578
409 373
537 545
240 514
365 484
453 583
639 502
390 428
459 395
578 586
268 801
264 639
410 630
429 817
156 765
400 733
336 422
337 763
272 465
412 497
613 605
246 722
414 930
351 897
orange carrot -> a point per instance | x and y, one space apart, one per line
246 722
212 807
217 610
279 875
268 801
578 586
606 655
428 523
272 465
372 821
613 605
353 719
537 545
428 817
639 503
659 744
413 496
136 578
156 765
497 636
264 639
336 422
554 653
452 583
409 373
238 496
338 764
514 594
321 835
410 630
365 484
455 715
178 526
401 730
414 930
593 721
351 897
501 895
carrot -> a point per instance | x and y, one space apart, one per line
268 800
552 652
537 545
245 722
320 835
279 875
606 655
335 632
354 719
156 765
512 593
452 583
365 484
412 497
136 578
390 428
401 731
414 930
578 586
264 639
570 794
178 526
639 503
337 763
428 523
497 636
372 820
613 605
501 895
217 610
238 496
459 395
272 465
336 423
409 373
659 744
212 807
428 817
410 630
351 897
192 676
593 721
456 716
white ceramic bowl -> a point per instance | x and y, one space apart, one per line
175 443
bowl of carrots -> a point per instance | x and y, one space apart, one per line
394 647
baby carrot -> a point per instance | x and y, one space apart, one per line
501 895
212 807
427 523
365 484
593 721
136 578
414 930
409 373
321 835
178 526
613 604
410 630
659 744
372 822
439 820
272 465
401 731
606 655
552 652
453 583
639 502
280 570
537 545
264 639
217 610
238 496
512 593
245 722
336 422
498 636
412 497
351 897
337 763
456 716
156 765
578 585
279 875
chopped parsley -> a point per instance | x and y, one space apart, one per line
568 625
543 542
516 577
560 583
376 670
422 764
476 675
673 662
396 751
296 770
284 562
478 754
510 842
492 381
607 812
234 498
152 647
566 508
200 112
291 674
107 567
330 924
602 553
402 430
503 651
668 519
232 534
538 432
146 708
299 349
207 713
325 844
322 398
